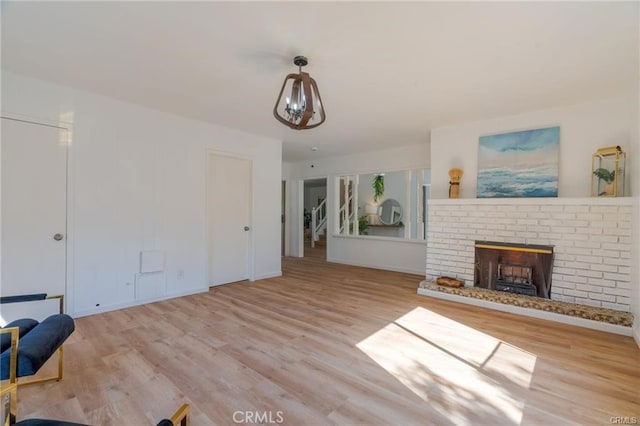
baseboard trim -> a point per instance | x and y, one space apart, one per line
124 305
378 266
267 275
535 313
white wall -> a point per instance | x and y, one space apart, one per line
137 181
384 253
583 129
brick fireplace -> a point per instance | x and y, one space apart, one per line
590 239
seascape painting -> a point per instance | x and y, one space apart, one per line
519 164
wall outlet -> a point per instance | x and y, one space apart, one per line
180 274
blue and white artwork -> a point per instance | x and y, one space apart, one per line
519 164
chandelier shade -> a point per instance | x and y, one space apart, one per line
299 105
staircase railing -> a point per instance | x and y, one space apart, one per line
318 221
345 216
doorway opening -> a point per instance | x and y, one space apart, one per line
315 218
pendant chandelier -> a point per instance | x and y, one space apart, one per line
299 105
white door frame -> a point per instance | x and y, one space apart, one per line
251 257
300 224
285 212
67 126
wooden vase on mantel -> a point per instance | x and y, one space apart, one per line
455 175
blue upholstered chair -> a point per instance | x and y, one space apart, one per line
36 343
179 418
9 402
26 345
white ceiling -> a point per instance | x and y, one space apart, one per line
387 72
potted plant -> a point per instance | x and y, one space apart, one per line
607 176
363 225
378 187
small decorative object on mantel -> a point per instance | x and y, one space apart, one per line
607 172
449 282
454 182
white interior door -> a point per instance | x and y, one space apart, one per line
34 198
229 201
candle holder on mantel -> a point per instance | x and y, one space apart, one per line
607 172
455 175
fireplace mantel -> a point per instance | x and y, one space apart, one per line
550 201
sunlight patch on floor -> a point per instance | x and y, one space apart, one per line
460 371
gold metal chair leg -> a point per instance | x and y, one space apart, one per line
57 377
60 364
9 404
181 417
10 390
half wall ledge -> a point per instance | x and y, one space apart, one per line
603 319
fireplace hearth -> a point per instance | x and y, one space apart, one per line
514 268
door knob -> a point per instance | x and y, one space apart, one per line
246 228
58 237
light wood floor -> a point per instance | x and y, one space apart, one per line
334 344
317 252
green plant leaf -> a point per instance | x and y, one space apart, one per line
363 225
378 187
605 175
